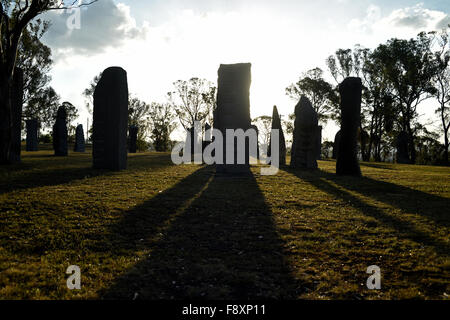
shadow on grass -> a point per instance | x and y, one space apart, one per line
52 171
377 166
209 237
406 199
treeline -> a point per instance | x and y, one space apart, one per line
397 76
189 101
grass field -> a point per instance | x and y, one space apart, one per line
158 230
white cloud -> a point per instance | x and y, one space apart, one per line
373 14
416 17
103 25
403 23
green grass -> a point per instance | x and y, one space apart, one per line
158 230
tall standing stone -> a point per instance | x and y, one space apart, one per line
16 106
133 133
347 159
276 124
32 135
233 110
337 141
402 148
80 143
109 147
60 133
304 145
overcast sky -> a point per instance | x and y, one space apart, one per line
160 41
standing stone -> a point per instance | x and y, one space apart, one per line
32 135
190 142
337 141
254 127
304 145
109 146
402 148
207 140
16 105
347 159
133 133
233 110
276 124
319 142
60 133
79 139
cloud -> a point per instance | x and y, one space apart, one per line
373 14
443 23
413 17
401 23
102 25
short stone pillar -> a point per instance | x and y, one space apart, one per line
32 134
304 145
60 133
80 143
276 125
132 138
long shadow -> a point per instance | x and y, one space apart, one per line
321 180
376 166
219 244
56 171
431 206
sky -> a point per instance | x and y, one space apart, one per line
160 41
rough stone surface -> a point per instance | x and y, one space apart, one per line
319 142
132 142
32 135
109 147
80 143
304 145
347 158
337 141
233 109
16 104
60 133
276 124
402 148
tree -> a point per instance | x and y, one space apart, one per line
312 85
327 149
40 101
193 100
163 123
377 105
14 18
72 115
42 106
342 64
441 82
139 115
408 67
34 58
264 124
88 93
